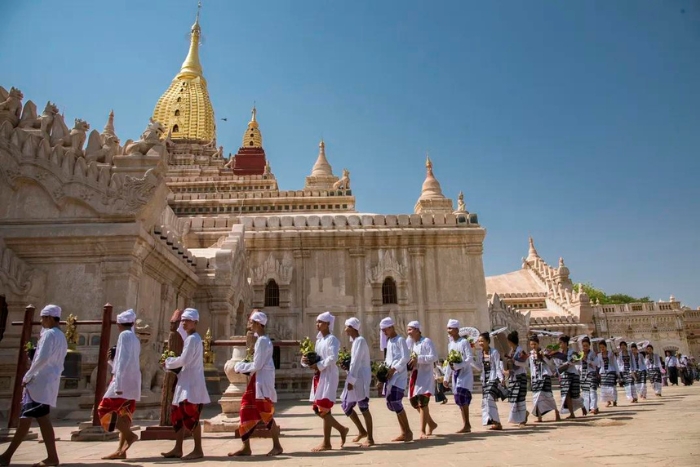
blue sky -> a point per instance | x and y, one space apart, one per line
575 122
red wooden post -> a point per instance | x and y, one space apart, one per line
13 420
102 361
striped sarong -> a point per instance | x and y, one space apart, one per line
570 386
489 409
542 397
655 379
608 390
254 411
462 396
628 383
517 392
641 384
589 390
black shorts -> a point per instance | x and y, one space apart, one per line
33 409
419 401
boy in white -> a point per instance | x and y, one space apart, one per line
258 402
396 359
116 410
460 375
325 383
421 383
357 381
191 389
41 386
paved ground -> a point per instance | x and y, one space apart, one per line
660 432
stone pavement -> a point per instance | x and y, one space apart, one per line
660 432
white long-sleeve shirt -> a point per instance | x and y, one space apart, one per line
44 375
426 356
496 372
397 357
652 361
327 347
126 368
639 359
359 373
191 385
632 366
589 364
612 364
540 368
263 367
461 375
520 367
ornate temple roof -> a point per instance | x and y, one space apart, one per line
185 109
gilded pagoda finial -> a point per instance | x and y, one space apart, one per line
191 67
208 353
71 332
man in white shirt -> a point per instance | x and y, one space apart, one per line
191 389
397 357
422 358
258 402
460 375
324 387
357 381
41 384
116 410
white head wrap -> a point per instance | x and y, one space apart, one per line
383 324
51 310
126 317
353 323
414 325
453 323
190 314
259 316
326 317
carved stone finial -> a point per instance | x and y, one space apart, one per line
109 126
532 254
11 107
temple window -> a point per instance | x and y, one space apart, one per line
177 113
389 292
272 293
179 99
251 144
176 129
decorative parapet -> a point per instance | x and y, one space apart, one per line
501 315
16 275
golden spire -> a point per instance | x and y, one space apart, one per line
185 108
252 138
191 67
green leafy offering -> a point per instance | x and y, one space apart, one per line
454 357
381 371
248 355
29 346
307 349
166 355
577 357
552 347
344 359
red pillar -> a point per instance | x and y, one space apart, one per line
102 361
13 420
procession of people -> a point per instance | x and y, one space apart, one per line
410 368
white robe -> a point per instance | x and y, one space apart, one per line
465 378
327 348
359 373
426 358
126 368
397 357
263 367
191 385
44 375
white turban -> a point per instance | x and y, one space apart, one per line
259 317
326 317
453 323
383 324
414 325
190 314
126 317
353 323
51 310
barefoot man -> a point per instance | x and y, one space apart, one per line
258 403
460 375
356 391
422 358
191 389
397 357
116 410
325 383
41 386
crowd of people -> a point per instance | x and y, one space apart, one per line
411 368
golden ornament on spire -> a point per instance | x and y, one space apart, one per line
185 108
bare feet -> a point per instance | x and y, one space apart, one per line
558 418
193 455
357 438
368 443
132 439
172 454
570 417
496 427
424 436
241 452
322 447
343 435
431 428
539 420
608 404
116 455
595 411
46 462
465 430
276 451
